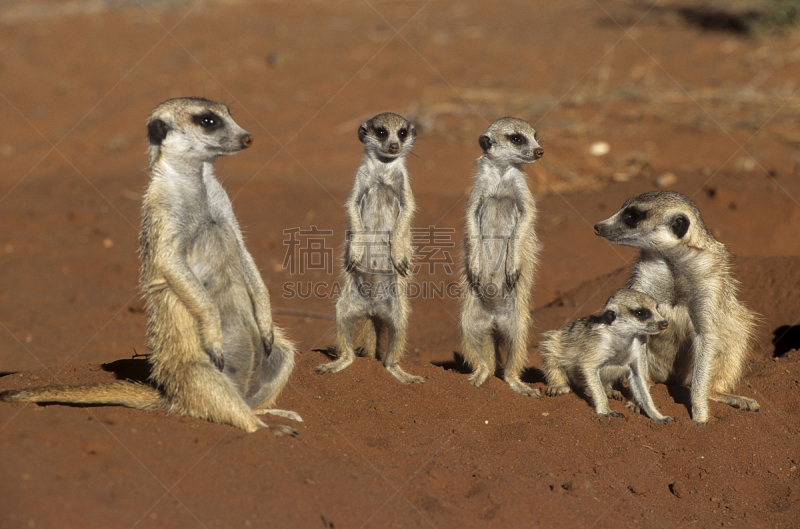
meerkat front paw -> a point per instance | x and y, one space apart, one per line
216 356
512 269
635 408
512 276
611 414
268 338
614 394
212 344
355 252
474 271
401 263
556 391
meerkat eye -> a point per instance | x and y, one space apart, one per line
517 139
402 133
381 133
208 121
642 314
632 216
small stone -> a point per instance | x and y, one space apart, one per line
599 148
666 180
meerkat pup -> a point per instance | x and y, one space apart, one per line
378 250
216 353
687 271
500 260
598 350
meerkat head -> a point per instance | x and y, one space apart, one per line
194 129
387 136
511 141
629 312
659 220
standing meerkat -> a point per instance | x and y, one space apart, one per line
687 271
216 354
500 260
378 250
598 350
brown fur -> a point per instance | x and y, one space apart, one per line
216 354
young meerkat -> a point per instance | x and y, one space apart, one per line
500 254
378 252
687 271
598 350
216 353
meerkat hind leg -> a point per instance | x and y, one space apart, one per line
479 349
346 357
394 350
737 401
344 343
287 414
516 358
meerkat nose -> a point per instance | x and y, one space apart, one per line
663 324
394 147
538 152
247 141
597 229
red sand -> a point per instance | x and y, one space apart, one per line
715 109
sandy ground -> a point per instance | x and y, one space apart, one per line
713 114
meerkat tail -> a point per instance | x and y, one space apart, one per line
137 396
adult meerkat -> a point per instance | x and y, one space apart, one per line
687 271
598 350
500 248
216 353
378 250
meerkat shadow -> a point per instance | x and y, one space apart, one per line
457 364
532 375
7 373
681 395
331 352
132 369
784 339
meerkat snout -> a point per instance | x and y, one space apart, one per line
394 148
662 325
247 141
538 152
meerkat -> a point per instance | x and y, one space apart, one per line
687 271
378 252
500 254
596 351
216 353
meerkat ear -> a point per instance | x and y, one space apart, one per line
413 130
608 317
156 131
680 225
362 132
485 142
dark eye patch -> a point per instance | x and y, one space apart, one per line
517 139
633 216
402 133
642 314
381 133
208 121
